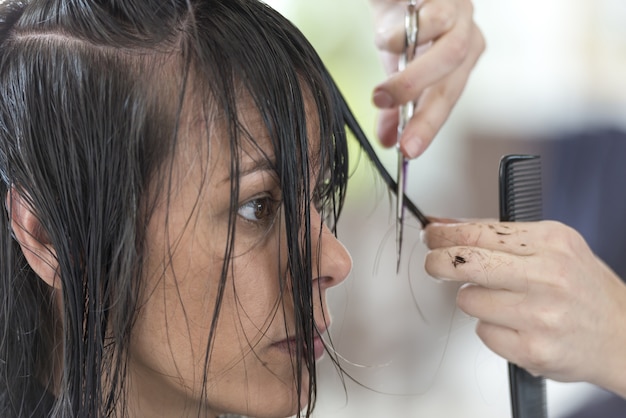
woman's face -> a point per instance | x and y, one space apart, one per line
250 370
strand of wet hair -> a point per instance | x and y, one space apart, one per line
361 137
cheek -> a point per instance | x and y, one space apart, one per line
169 340
179 289
261 270
255 294
173 324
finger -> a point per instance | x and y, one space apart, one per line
389 61
439 220
435 18
387 128
519 238
431 112
441 59
487 268
389 23
433 109
443 220
496 306
532 352
503 341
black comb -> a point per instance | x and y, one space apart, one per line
520 200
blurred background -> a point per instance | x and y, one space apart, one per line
551 81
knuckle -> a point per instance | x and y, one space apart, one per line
482 332
556 280
463 298
548 319
575 241
429 264
470 7
563 238
427 129
458 49
403 87
407 88
435 264
538 355
481 41
553 234
441 16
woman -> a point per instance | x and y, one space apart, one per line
172 172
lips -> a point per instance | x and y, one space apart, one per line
288 345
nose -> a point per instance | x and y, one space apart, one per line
332 261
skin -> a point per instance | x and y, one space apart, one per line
435 79
248 374
543 300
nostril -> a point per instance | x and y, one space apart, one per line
323 282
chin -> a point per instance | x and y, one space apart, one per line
276 402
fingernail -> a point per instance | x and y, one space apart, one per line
382 99
412 147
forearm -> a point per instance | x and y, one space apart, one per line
612 360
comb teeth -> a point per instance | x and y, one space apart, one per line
520 188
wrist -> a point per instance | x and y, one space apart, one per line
612 361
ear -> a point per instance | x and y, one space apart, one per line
32 238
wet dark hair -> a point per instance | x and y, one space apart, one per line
92 97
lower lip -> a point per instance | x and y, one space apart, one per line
289 346
318 348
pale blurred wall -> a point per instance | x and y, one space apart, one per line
549 67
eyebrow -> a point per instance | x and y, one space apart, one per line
263 164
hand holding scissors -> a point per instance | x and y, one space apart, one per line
437 76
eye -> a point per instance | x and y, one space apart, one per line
260 210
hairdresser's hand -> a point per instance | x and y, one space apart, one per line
544 301
437 76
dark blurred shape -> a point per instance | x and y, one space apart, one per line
585 187
605 405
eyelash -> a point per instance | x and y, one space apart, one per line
262 210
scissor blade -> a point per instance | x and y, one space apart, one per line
411 27
402 166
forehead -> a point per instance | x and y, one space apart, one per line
208 141
256 136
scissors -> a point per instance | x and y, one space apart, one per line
411 29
